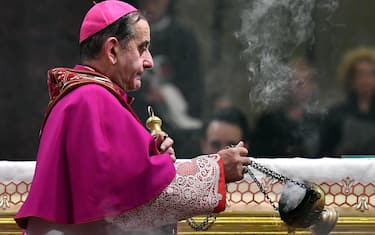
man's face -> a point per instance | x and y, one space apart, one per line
134 59
220 135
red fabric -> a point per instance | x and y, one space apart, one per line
222 189
63 80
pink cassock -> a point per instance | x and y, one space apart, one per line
95 160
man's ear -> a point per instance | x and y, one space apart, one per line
111 48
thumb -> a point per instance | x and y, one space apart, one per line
240 144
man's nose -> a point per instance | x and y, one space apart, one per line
148 62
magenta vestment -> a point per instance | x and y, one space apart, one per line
95 160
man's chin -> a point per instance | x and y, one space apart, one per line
134 87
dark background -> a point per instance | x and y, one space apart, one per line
40 34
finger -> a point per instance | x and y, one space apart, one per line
159 137
240 144
167 143
252 159
170 150
245 161
242 151
172 153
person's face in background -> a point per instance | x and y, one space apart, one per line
219 135
306 88
154 9
305 82
364 79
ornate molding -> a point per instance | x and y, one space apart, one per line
241 223
257 224
7 225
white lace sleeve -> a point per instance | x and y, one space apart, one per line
194 191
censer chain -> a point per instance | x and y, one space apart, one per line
274 175
260 186
210 219
205 225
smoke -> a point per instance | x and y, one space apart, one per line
291 197
273 30
131 224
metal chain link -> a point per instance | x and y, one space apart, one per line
205 225
210 219
274 175
260 186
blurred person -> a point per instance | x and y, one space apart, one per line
104 173
349 127
175 86
225 128
293 128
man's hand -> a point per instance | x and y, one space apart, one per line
233 160
165 143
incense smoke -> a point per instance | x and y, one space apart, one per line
273 30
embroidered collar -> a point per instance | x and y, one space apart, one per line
61 81
129 99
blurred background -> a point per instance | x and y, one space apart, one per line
300 73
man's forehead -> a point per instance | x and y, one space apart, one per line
142 31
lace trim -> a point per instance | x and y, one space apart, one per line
194 191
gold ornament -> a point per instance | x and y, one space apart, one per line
153 123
